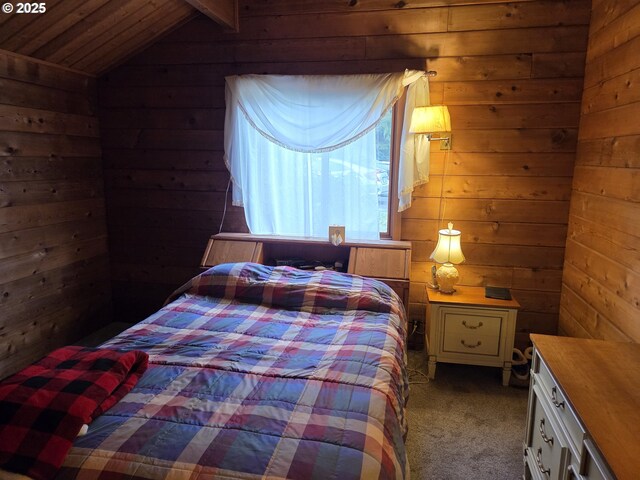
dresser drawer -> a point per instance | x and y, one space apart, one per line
556 399
594 465
547 452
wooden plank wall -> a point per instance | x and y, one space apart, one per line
54 269
601 280
511 74
91 35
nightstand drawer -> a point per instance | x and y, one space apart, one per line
487 322
471 344
471 332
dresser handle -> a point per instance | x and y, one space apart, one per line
471 346
554 399
543 433
472 327
543 471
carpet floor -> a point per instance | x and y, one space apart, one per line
464 424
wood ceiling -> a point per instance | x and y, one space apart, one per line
93 36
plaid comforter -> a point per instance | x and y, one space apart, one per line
260 372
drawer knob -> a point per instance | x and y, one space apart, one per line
554 399
543 434
472 327
543 471
469 345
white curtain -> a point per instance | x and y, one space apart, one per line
413 168
302 150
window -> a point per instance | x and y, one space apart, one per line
306 152
301 193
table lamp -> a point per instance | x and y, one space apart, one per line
447 253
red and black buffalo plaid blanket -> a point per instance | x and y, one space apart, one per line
43 407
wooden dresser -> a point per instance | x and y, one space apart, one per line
583 420
385 260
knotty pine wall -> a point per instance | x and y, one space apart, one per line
601 280
54 268
511 74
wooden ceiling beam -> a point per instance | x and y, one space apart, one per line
223 12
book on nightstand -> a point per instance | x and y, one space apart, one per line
497 292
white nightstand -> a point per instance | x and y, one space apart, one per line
465 327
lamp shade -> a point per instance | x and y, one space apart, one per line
448 249
432 119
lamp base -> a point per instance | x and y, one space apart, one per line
447 276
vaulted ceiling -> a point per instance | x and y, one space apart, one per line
93 36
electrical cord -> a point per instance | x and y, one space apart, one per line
224 212
442 207
415 371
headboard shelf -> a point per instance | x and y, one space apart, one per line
385 260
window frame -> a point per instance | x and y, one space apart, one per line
394 218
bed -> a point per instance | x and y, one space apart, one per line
260 372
